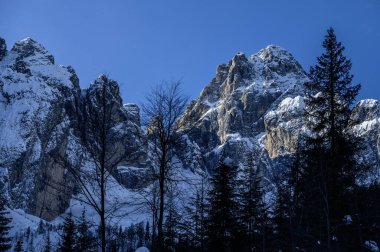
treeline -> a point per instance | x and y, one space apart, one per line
73 235
78 237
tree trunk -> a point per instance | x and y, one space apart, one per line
160 236
327 213
102 208
154 226
103 232
102 175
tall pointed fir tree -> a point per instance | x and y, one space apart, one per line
5 240
84 241
253 213
131 237
194 222
330 168
47 247
368 205
199 216
140 234
282 218
171 223
222 223
31 243
286 212
68 238
147 239
18 247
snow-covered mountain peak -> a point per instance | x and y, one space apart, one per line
43 116
239 56
37 106
29 65
111 89
32 52
272 70
276 62
229 114
104 80
273 51
365 110
132 109
368 103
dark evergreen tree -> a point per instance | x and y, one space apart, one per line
27 234
147 234
368 208
47 247
200 218
85 240
170 225
329 169
31 243
5 240
222 223
131 236
18 247
68 238
140 234
282 218
115 239
253 214
193 221
330 92
248 200
41 228
286 214
122 236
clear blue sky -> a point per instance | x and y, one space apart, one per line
140 43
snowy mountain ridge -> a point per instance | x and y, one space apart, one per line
252 104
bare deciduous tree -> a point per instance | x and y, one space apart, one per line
103 151
164 106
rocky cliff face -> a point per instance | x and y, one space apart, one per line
283 127
248 98
253 104
365 123
256 104
38 115
42 109
128 141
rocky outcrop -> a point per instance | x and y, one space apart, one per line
126 138
282 127
42 117
38 102
32 53
229 116
365 124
